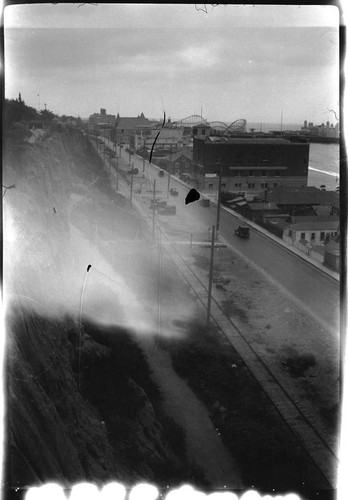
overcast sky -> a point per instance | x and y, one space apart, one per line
231 61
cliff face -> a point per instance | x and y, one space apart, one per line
80 401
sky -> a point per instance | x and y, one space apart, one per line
226 62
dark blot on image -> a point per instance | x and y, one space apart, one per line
192 195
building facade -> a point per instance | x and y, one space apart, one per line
127 128
248 164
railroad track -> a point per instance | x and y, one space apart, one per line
317 447
313 442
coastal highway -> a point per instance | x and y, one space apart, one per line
309 288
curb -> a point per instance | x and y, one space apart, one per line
330 273
266 234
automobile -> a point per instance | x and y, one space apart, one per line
158 204
161 173
135 171
168 210
242 231
173 192
205 202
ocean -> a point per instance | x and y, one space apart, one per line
324 165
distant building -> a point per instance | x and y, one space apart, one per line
168 138
128 127
305 199
314 230
178 163
101 119
248 164
323 130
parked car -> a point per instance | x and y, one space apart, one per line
161 173
168 210
205 202
242 231
135 171
158 204
173 192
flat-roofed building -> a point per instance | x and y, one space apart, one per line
248 163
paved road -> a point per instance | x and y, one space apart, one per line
306 286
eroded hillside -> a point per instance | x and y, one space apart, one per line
81 402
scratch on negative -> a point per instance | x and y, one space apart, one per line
154 142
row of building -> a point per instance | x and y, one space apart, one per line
323 130
306 218
263 177
245 162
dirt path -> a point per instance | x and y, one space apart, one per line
204 444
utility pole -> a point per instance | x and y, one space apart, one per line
144 157
153 209
211 268
116 173
170 165
219 204
168 184
131 187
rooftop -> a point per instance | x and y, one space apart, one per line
309 195
246 140
316 226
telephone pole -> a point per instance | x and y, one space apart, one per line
116 173
218 204
131 187
211 268
153 209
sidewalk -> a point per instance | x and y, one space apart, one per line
333 274
213 199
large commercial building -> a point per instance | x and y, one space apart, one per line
247 163
128 127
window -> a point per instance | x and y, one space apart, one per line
223 185
194 131
251 173
277 173
251 185
264 184
303 236
322 236
238 185
203 131
275 184
211 186
217 159
312 236
263 173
